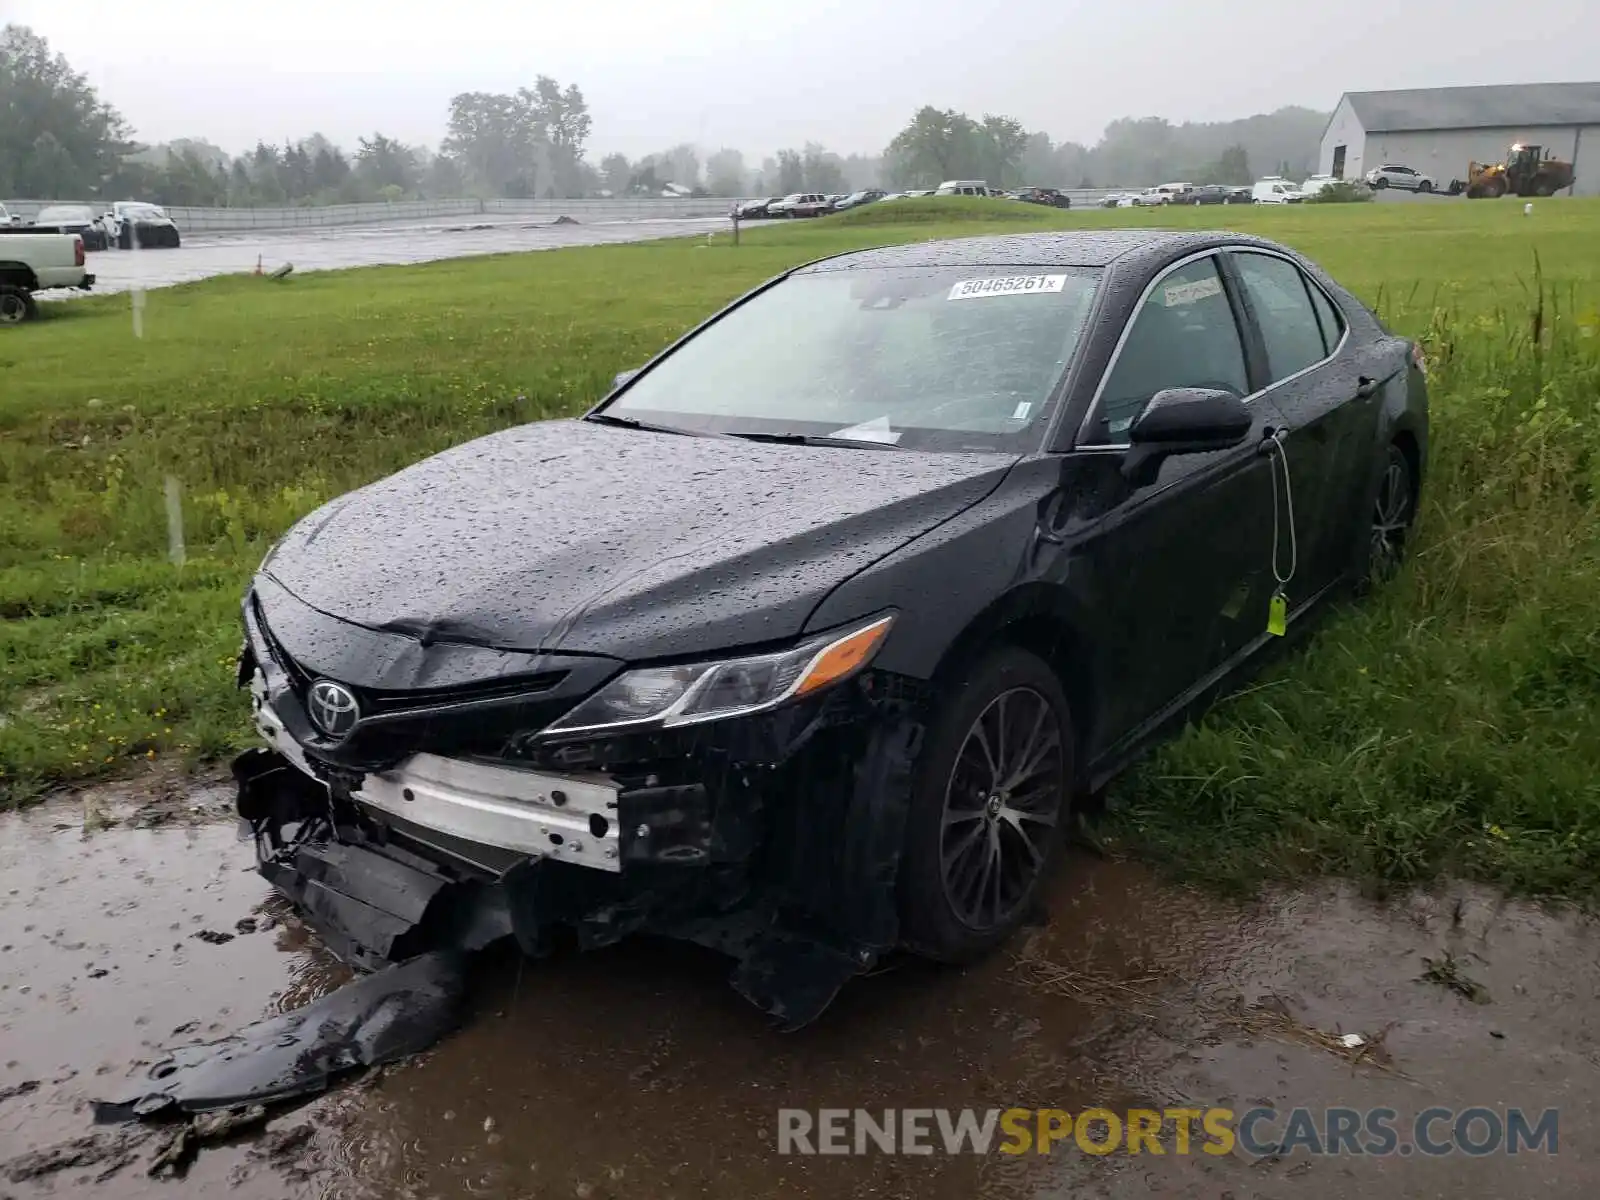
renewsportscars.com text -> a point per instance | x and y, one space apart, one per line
1257 1131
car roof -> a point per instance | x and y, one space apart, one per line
1091 248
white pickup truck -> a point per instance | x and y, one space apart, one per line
35 262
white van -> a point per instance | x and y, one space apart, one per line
1275 189
964 187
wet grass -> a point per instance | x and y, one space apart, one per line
1449 724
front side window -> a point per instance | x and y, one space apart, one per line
1283 310
928 358
1183 335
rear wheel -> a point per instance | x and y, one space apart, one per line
989 807
16 305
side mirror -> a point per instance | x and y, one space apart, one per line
622 377
1183 421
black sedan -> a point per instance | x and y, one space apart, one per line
1052 197
803 643
1212 193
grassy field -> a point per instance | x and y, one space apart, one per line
1451 724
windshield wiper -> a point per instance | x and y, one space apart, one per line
815 439
605 418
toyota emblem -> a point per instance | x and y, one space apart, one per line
333 709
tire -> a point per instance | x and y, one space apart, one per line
1544 187
173 239
1390 516
16 305
1381 183
125 238
1425 186
974 819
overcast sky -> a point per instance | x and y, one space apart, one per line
758 76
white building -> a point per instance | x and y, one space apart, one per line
1438 131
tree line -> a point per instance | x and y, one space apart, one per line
59 140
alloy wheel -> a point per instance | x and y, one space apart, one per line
1391 514
1001 801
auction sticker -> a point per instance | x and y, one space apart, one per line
1187 293
1007 285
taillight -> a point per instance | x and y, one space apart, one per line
77 252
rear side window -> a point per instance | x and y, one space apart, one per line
1183 335
1327 317
1283 310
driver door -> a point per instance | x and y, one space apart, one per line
1178 567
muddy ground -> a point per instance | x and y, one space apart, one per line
133 921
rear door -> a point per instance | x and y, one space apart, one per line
1328 390
1178 566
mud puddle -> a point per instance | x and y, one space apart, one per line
637 1072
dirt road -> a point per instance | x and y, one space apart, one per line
128 926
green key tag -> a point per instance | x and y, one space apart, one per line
1278 615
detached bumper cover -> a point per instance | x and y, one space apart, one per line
775 839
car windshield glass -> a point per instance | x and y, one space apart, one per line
942 358
62 213
140 211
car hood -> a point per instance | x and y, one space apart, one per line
584 538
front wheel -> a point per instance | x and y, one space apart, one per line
989 807
1425 186
1380 182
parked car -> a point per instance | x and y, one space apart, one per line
1149 198
799 204
9 218
1113 199
35 262
754 210
963 187
1393 175
1275 189
132 222
1207 193
1315 183
1240 195
1175 193
609 674
1049 196
857 199
77 219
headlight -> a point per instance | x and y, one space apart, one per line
695 692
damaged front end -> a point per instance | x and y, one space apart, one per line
447 813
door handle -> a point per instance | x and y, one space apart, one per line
1366 388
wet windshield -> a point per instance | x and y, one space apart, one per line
945 358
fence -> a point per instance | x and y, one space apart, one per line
207 220
221 220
